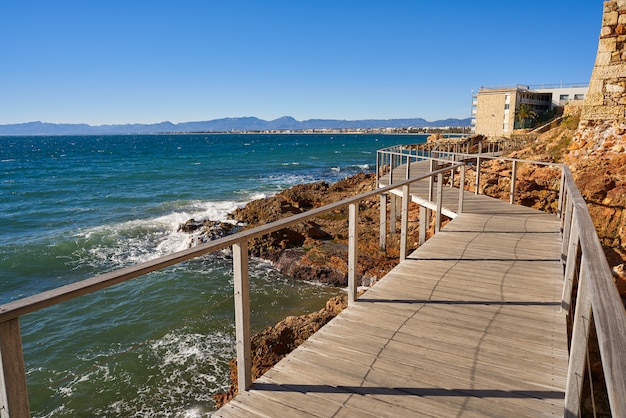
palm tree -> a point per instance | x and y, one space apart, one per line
523 113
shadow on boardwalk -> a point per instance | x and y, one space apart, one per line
468 325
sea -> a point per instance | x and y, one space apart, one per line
72 207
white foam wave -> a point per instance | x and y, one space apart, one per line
141 240
181 372
287 180
258 195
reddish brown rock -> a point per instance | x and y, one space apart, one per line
273 343
594 151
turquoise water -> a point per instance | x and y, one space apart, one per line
74 207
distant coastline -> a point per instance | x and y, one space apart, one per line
385 131
254 125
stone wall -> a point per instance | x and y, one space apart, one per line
606 98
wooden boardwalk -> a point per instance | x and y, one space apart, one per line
469 325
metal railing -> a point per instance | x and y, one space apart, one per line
13 386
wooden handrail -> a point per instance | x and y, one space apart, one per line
52 297
597 296
13 389
584 262
604 305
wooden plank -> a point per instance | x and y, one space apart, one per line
445 402
459 328
436 372
454 335
266 407
478 354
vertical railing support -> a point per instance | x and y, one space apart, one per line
578 347
561 192
513 182
461 189
383 222
404 222
431 181
242 315
567 228
393 214
439 202
13 389
353 216
423 224
377 167
477 175
452 171
571 265
390 166
408 166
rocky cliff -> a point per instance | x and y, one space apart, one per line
313 250
595 152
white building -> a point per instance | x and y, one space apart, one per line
494 110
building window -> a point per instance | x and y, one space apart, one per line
579 97
564 97
507 106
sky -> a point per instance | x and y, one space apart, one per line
139 61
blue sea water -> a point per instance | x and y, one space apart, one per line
73 207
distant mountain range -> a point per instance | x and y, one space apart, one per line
284 123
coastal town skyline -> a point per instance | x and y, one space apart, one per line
118 63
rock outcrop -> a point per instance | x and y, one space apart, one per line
598 162
316 250
273 343
594 151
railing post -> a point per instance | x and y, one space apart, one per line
561 192
439 202
513 182
353 216
477 175
391 161
378 173
567 228
578 347
13 389
383 222
242 315
571 264
423 224
405 222
461 189
452 171
393 214
431 181
408 167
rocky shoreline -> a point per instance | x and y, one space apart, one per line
314 250
317 250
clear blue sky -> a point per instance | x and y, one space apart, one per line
115 62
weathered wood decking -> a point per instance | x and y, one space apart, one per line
468 325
